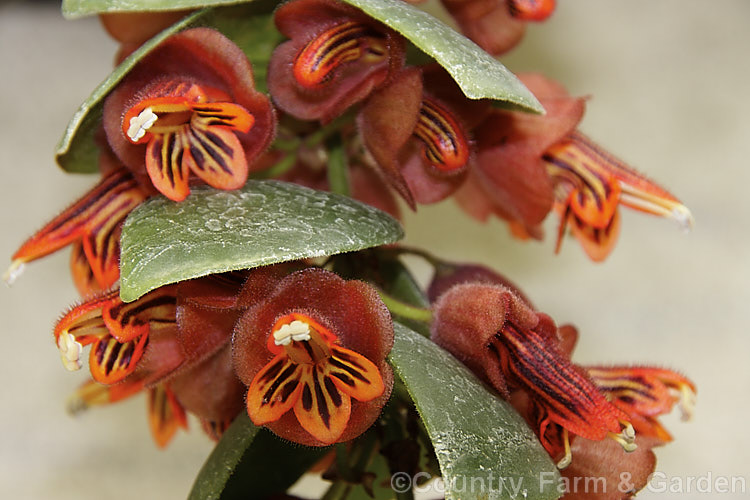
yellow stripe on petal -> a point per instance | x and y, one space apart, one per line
216 155
222 114
354 374
274 390
165 415
321 409
153 311
165 165
110 361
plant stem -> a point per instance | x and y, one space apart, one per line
323 132
338 173
405 310
279 168
406 250
338 491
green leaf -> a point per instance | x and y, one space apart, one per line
479 75
221 463
269 466
265 222
249 26
478 437
77 152
73 9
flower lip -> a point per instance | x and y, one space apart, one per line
335 57
446 146
313 376
346 42
330 383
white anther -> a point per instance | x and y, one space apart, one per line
13 272
139 124
684 218
70 351
629 433
687 403
296 330
626 438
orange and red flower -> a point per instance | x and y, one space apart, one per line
312 353
417 129
527 164
173 341
92 225
590 184
190 107
335 57
505 342
526 358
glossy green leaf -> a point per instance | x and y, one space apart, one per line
249 26
479 75
221 463
269 466
485 449
73 9
265 222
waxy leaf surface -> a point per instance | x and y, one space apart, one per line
221 463
484 447
73 9
479 75
266 222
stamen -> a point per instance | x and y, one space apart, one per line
687 402
70 351
14 271
568 458
296 330
626 438
644 201
628 432
141 123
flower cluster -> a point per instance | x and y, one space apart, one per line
312 365
428 141
485 322
296 346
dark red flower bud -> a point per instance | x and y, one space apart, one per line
505 342
335 57
448 275
417 128
489 23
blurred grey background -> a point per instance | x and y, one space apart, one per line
669 83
